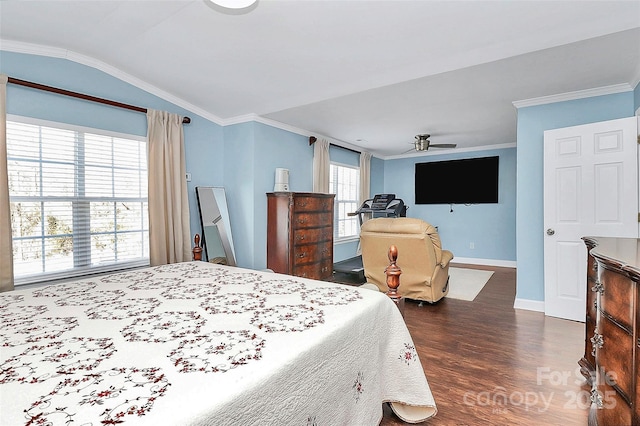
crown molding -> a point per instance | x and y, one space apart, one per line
239 119
33 49
636 80
54 52
570 96
293 129
303 132
290 128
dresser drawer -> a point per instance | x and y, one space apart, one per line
592 298
317 271
592 268
615 355
609 406
308 253
313 235
589 353
617 297
311 220
312 204
637 398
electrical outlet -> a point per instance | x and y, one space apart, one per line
188 177
472 245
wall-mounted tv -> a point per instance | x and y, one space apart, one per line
465 181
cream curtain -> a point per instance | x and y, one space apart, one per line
321 166
6 246
365 176
365 186
169 239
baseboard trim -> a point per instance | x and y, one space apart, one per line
529 305
485 262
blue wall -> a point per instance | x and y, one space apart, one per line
376 185
276 148
532 122
242 157
490 227
203 138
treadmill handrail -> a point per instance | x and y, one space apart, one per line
394 208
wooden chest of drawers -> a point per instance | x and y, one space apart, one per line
612 345
300 234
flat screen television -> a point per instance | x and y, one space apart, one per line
465 181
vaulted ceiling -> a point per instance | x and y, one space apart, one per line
369 74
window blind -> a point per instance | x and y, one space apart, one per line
78 200
344 181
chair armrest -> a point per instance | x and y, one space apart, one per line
446 258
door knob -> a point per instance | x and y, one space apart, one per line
550 231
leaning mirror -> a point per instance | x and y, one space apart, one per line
216 227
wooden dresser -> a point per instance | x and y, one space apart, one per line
611 362
300 234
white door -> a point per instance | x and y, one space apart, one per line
590 188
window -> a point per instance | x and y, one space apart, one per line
78 200
344 181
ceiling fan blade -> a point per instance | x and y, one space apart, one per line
442 145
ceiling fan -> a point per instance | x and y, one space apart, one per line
422 143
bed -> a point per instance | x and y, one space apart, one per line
196 343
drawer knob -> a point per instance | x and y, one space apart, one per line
596 398
597 342
301 255
598 287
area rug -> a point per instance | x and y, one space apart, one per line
465 284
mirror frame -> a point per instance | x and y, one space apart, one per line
212 206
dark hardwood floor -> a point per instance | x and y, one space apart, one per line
489 364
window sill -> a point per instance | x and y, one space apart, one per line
64 276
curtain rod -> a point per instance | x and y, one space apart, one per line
64 92
312 140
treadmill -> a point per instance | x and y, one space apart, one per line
381 205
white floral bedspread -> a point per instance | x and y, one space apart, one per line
201 344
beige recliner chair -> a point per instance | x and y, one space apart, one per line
425 266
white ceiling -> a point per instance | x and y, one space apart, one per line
369 74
